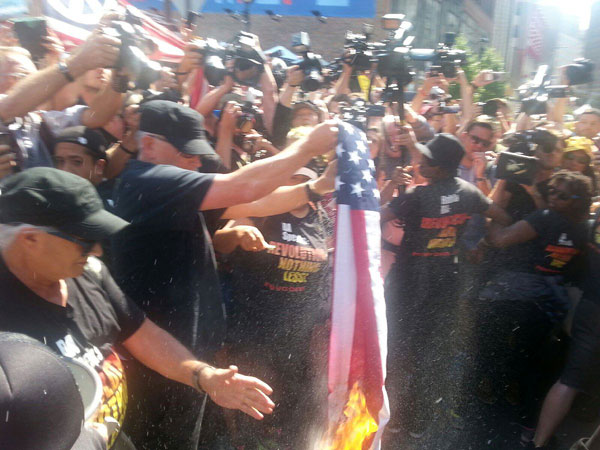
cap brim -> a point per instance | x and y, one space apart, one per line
197 147
424 150
96 227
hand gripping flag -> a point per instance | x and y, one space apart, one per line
358 405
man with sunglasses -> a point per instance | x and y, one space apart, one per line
476 140
422 286
53 289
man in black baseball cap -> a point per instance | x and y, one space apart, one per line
180 127
54 289
64 202
81 151
165 260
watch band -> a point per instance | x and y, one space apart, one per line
129 152
196 377
62 68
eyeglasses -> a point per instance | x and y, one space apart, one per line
478 141
85 244
580 159
561 195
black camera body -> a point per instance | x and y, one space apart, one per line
309 63
362 56
516 167
241 50
250 118
131 56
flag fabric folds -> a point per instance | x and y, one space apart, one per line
358 342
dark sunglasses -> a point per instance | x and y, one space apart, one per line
478 141
561 195
580 159
85 244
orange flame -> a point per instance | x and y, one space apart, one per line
356 425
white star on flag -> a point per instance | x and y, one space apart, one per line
367 175
357 189
376 193
371 164
361 147
354 157
338 183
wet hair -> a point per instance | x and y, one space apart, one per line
578 184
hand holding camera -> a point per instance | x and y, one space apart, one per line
99 50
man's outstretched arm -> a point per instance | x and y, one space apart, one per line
161 352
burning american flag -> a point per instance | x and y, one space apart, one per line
358 405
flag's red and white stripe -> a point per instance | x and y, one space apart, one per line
358 343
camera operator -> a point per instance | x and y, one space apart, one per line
526 300
519 200
32 133
288 114
238 147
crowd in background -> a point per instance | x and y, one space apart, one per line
158 233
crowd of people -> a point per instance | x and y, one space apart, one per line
178 239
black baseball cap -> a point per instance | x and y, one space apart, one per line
181 126
445 150
40 404
93 140
44 196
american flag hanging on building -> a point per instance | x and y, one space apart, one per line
358 405
535 34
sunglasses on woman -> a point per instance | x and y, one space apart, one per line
580 159
561 195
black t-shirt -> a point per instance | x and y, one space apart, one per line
591 283
521 203
435 216
281 292
558 242
164 260
97 316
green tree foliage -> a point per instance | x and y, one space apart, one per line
488 60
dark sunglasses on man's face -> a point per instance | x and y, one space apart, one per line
561 195
85 244
478 141
580 159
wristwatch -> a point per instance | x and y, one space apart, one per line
62 68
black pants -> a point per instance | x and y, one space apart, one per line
422 306
161 414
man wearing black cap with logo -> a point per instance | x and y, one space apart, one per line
165 261
53 289
421 287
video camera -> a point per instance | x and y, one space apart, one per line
534 95
247 60
445 59
310 63
135 45
518 163
362 55
250 118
